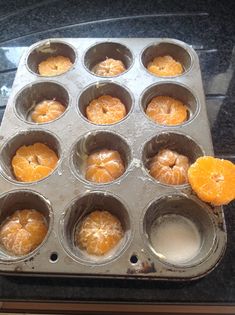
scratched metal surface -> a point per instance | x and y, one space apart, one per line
136 134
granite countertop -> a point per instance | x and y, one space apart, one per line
206 25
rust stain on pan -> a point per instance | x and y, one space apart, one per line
145 268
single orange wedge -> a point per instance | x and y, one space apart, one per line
213 180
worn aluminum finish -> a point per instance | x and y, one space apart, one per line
136 198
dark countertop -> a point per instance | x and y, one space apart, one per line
209 27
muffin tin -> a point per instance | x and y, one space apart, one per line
138 200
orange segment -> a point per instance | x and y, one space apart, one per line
213 180
109 67
40 172
104 166
165 66
54 66
46 111
23 231
106 110
33 162
166 110
45 155
169 167
98 175
99 232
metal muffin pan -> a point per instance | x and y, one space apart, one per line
137 199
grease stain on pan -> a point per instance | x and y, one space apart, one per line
145 267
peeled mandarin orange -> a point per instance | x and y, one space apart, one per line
169 167
165 66
166 110
106 110
46 111
104 166
213 180
54 66
99 232
33 162
109 67
23 231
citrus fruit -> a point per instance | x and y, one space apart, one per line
169 167
106 110
166 110
23 231
109 67
213 180
99 232
54 66
46 111
33 162
104 166
165 66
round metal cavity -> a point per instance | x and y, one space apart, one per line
27 137
78 210
102 51
31 95
92 142
178 142
98 89
19 200
49 48
179 230
175 90
180 52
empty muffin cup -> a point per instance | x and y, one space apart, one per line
33 94
177 142
93 142
19 200
49 48
179 230
99 89
102 51
176 91
177 51
26 138
74 215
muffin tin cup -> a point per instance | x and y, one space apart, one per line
19 200
27 137
49 48
93 142
75 214
100 88
142 204
174 48
175 90
167 218
31 95
174 141
101 51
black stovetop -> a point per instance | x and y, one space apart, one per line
209 26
